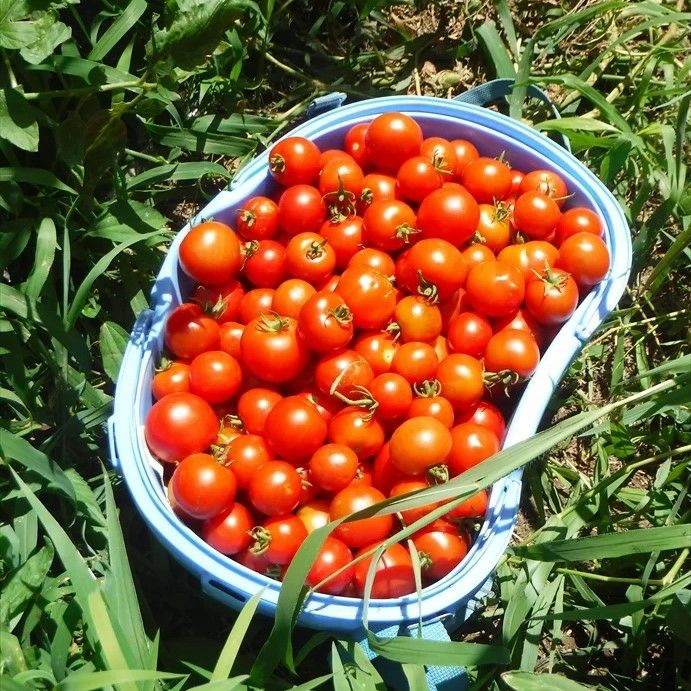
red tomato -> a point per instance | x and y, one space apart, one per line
341 176
430 404
377 187
310 257
487 179
174 377
514 351
331 154
469 333
278 538
189 331
434 268
465 153
394 395
487 415
493 229
291 295
546 182
210 253
495 288
578 220
394 575
179 425
552 297
418 444
471 444
246 454
415 361
327 406
275 488
417 178
258 219
254 406
333 467
516 180
265 263
314 514
475 507
440 553
450 214
295 161
388 224
365 530
222 302
417 319
325 323
378 348
301 209
215 376
442 153
294 429
352 427
330 284
309 490
530 257
228 532
354 143
271 349
374 259
461 379
477 254
384 475
333 555
391 139
585 257
521 320
202 486
369 295
409 516
255 303
536 215
255 562
229 337
345 370
345 237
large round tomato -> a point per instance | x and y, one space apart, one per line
440 553
364 530
275 488
278 538
294 429
295 161
409 516
530 257
333 555
432 267
417 178
258 219
495 288
417 319
310 257
442 153
189 331
354 143
333 467
291 295
254 405
228 532
487 179
369 295
325 322
174 377
461 379
391 139
393 395
345 237
255 303
415 361
394 575
471 444
546 182
221 301
345 372
247 453
514 351
418 444
357 429
469 333
271 349
487 415
265 263
301 209
210 253
202 486
465 153
450 214
179 425
578 220
585 257
551 297
378 348
536 215
493 228
388 224
215 376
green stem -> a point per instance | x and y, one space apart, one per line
10 71
676 567
145 157
610 579
101 88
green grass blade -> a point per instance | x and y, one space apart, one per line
112 342
35 176
118 29
495 50
530 681
46 243
92 681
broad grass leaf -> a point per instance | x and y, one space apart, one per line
177 171
530 681
18 123
494 47
46 243
13 658
415 676
34 176
533 635
340 678
118 29
93 681
112 342
201 142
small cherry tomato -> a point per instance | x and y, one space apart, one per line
377 187
174 377
210 253
229 337
440 553
493 229
255 303
327 406
255 562
345 372
393 394
355 428
222 301
189 331
215 376
391 139
415 361
340 182
388 225
418 444
365 530
475 507
294 429
487 179
291 295
516 180
586 257
536 215
310 257
461 380
202 486
254 405
495 288
471 444
278 538
521 320
246 454
394 575
374 259
354 144
430 404
228 532
487 415
578 220
513 351
418 177
378 348
409 516
295 161
469 333
332 556
301 209
417 319
333 467
385 475
345 237
314 514
275 488
477 254
442 153
551 297
265 263
450 214
369 295
546 182
325 323
530 257
465 153
258 219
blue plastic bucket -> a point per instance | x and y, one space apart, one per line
449 600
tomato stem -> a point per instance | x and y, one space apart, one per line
272 324
430 388
427 289
262 539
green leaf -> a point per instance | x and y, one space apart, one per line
112 342
15 31
46 243
34 176
49 33
93 681
201 142
495 50
577 124
530 681
118 29
105 138
195 170
18 123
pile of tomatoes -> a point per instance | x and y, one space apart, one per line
360 335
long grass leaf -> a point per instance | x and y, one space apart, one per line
117 30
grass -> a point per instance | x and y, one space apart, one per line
118 119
